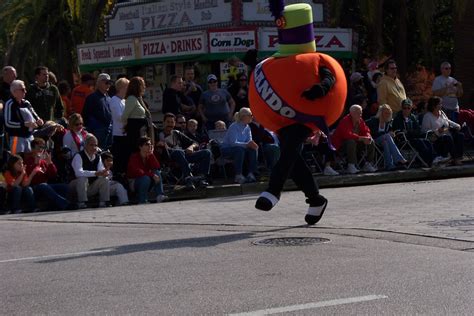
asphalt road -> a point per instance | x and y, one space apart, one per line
392 249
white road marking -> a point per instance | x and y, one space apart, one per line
293 308
58 256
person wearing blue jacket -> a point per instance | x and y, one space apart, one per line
96 112
239 146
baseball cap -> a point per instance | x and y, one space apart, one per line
104 77
407 102
211 77
356 76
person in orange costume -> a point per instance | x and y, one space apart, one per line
296 92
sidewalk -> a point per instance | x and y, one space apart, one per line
418 174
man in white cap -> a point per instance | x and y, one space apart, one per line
96 112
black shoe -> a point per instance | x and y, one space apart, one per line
189 184
319 201
263 204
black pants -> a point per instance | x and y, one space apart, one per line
121 153
292 163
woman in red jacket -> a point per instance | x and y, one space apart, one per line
352 137
144 172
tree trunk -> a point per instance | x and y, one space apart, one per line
463 53
401 44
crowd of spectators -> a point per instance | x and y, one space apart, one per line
96 144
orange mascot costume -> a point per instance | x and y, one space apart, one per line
294 93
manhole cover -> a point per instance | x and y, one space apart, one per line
290 241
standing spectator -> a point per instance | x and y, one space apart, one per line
390 89
116 188
18 185
239 146
8 75
20 129
447 138
96 112
117 106
76 135
91 175
45 97
40 161
52 78
352 137
65 91
144 172
3 195
239 92
356 88
382 131
192 89
215 104
449 89
176 146
173 97
81 92
136 117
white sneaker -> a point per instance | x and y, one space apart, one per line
161 198
369 168
328 171
240 179
440 159
251 178
351 169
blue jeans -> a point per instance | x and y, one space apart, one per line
202 158
145 184
452 115
17 194
391 154
238 155
55 193
271 152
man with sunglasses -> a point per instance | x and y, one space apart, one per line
390 89
448 89
44 96
96 112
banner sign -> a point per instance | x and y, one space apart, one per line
134 19
327 39
173 45
258 10
105 52
232 41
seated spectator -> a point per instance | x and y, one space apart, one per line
144 172
420 111
352 137
18 185
76 135
180 123
215 104
193 133
40 160
239 146
407 122
447 138
319 142
91 175
18 123
3 195
116 188
178 147
52 133
267 142
381 130
220 126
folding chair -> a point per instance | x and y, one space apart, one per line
408 151
378 157
313 158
